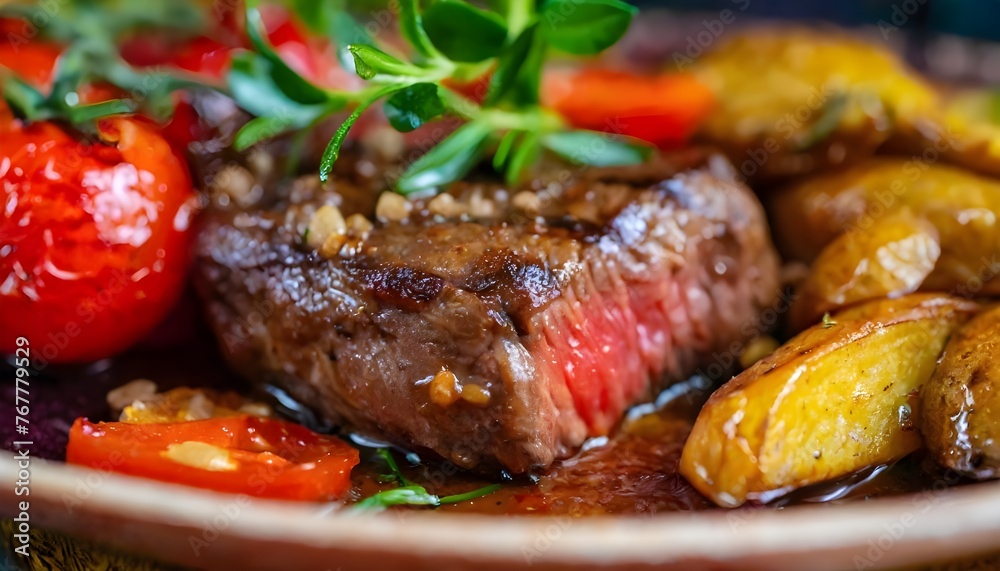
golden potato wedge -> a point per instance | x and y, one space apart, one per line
891 259
962 206
973 116
965 133
832 401
792 101
960 405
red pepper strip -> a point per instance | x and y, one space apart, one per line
260 457
662 109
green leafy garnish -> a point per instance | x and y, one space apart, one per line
413 106
516 64
478 493
24 99
78 114
91 31
449 161
409 494
526 152
333 148
452 41
370 61
503 149
397 475
412 28
827 322
256 89
288 81
263 84
403 496
106 21
586 28
464 33
598 149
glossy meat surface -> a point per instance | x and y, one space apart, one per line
553 314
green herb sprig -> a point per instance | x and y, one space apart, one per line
91 30
450 41
410 494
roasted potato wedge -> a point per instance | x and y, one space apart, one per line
891 259
966 133
832 401
792 101
960 405
973 116
962 206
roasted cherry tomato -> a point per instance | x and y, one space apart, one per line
201 55
662 109
244 454
313 58
210 57
34 65
95 236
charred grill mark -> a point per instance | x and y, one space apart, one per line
529 281
400 286
514 283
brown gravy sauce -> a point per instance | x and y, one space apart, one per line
634 471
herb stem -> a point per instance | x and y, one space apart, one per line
536 119
484 491
530 119
390 461
459 104
519 13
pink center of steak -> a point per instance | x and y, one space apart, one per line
603 350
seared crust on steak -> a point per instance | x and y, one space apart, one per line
549 314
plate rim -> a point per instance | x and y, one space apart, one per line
956 522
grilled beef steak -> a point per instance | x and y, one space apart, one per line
496 329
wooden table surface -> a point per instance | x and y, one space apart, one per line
52 551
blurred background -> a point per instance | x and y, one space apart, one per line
977 18
957 41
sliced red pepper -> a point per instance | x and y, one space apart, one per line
663 109
244 454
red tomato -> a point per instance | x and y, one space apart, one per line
32 61
203 55
184 126
313 58
95 237
35 62
244 454
662 109
210 56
